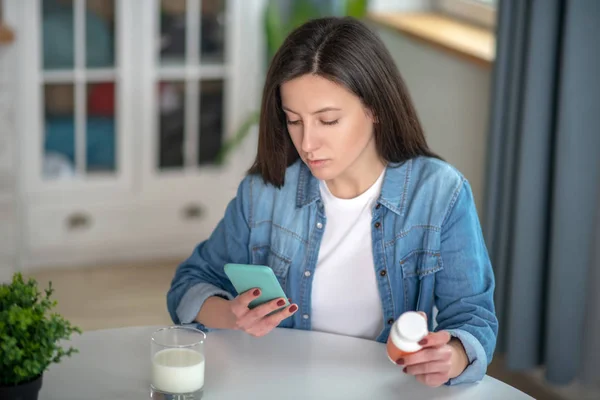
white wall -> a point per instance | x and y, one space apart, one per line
452 97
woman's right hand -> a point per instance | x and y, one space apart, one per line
256 321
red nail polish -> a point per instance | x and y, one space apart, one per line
281 303
256 292
293 308
423 342
400 361
404 370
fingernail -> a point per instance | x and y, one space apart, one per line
423 342
404 370
293 308
281 303
256 292
400 361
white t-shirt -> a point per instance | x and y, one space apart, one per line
345 298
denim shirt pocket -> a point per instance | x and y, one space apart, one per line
265 255
418 270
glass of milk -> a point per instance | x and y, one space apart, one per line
177 363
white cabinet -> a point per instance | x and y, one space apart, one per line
121 107
8 212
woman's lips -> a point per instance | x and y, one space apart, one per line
317 163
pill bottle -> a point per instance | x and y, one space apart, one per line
405 335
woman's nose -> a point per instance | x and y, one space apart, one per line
310 141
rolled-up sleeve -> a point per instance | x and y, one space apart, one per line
202 275
464 288
194 298
478 363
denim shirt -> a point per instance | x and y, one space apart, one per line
428 252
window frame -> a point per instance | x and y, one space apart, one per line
472 11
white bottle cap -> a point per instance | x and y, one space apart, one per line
408 330
412 326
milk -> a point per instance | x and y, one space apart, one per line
178 371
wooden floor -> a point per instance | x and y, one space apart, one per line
111 297
134 295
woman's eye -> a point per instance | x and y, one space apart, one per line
330 122
297 122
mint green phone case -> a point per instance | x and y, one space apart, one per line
245 277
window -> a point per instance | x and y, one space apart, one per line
480 12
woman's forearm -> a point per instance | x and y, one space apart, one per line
459 359
216 314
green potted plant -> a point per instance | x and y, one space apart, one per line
280 18
29 337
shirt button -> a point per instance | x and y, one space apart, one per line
390 321
305 316
319 225
377 224
378 206
383 272
306 273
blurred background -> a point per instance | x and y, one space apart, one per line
126 126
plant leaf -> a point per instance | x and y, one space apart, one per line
357 8
30 332
238 137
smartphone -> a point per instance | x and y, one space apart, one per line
246 276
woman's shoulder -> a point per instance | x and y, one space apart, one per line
427 188
426 172
428 169
255 189
292 176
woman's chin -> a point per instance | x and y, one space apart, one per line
324 174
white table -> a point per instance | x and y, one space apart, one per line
286 364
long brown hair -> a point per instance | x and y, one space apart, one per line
348 53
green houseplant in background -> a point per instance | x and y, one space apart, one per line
29 337
280 18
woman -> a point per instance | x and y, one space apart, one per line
359 220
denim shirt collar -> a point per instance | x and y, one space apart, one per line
393 190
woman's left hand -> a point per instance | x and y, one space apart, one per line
442 358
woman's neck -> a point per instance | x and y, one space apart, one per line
355 181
